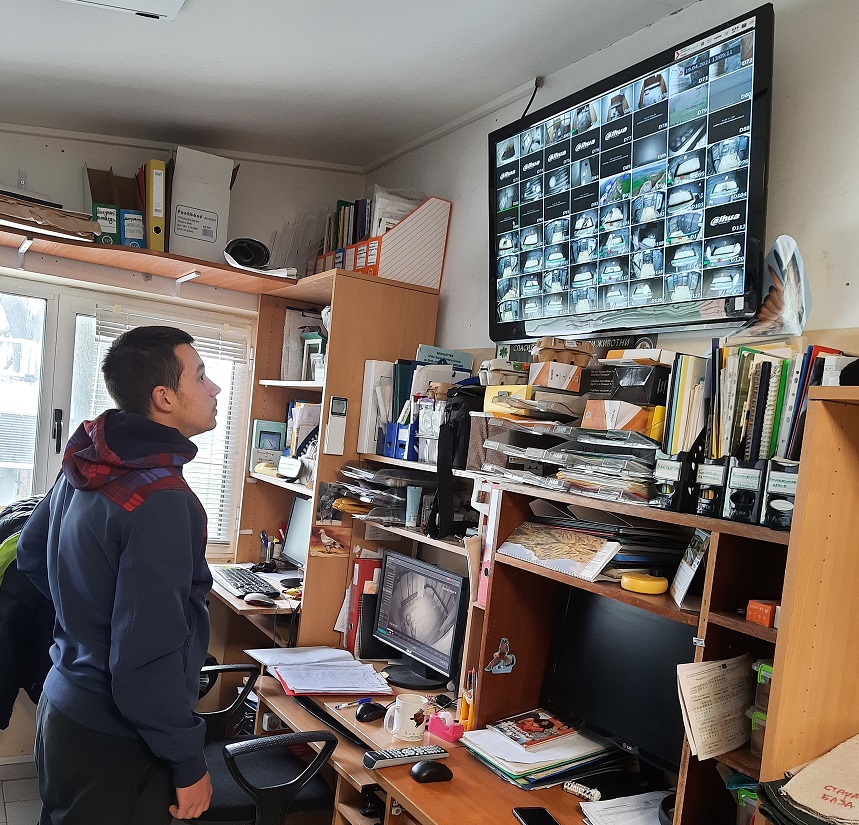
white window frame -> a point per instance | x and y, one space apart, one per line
64 302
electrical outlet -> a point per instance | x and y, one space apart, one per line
272 722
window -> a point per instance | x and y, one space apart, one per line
215 474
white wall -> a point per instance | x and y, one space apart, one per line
267 191
813 186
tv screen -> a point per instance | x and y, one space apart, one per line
421 609
639 202
614 666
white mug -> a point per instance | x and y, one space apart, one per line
406 719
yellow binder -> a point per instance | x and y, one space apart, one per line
156 209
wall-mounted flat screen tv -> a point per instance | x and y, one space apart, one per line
638 203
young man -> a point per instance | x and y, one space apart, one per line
117 740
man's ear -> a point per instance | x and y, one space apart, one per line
161 400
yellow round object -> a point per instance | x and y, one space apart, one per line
643 583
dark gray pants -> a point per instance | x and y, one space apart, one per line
91 778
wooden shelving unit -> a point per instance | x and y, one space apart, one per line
409 314
814 699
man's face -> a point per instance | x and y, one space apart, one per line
196 406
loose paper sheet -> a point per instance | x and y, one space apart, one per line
714 697
642 809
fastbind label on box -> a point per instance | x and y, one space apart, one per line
667 470
741 479
711 474
196 223
782 483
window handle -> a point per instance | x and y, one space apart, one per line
57 431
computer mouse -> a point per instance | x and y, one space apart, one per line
291 581
370 712
260 600
431 770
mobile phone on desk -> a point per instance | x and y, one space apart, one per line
534 816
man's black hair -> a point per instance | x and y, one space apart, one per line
140 360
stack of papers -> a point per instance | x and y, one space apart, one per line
575 756
642 809
321 671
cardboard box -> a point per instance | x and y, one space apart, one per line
100 201
762 611
645 386
200 205
619 415
520 390
556 375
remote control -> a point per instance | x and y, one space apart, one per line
402 756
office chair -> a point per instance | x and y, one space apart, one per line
258 779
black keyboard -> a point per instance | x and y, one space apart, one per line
326 718
240 581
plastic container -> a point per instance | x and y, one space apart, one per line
759 723
764 670
747 802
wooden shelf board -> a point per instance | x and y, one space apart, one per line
846 395
713 525
768 634
662 604
298 489
314 289
352 814
398 462
742 760
414 535
313 386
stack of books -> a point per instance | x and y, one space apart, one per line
536 750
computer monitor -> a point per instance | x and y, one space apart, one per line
639 203
294 553
421 613
614 666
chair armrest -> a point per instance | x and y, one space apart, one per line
276 799
216 720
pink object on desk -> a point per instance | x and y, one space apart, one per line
439 726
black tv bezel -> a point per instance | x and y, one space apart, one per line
459 625
512 331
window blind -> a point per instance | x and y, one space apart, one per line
215 474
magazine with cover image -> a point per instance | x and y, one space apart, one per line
536 727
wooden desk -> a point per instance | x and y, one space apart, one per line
236 627
475 796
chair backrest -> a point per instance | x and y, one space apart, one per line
220 724
273 803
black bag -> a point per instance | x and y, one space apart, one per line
452 454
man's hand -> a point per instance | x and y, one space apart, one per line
193 800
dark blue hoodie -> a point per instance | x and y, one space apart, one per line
126 570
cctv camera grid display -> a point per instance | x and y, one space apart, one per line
638 197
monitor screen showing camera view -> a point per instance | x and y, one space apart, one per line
639 203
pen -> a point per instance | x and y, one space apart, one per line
352 704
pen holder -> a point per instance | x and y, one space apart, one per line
443 726
674 478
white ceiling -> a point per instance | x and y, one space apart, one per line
343 81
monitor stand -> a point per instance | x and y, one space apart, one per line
415 676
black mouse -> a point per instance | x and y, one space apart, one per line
431 770
369 712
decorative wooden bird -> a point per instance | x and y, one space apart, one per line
328 542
